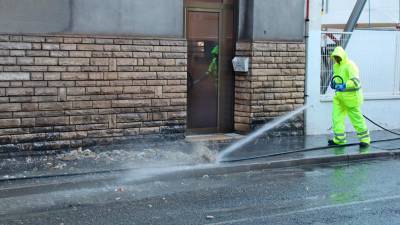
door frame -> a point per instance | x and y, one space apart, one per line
211 8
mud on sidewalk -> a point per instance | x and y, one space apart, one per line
112 157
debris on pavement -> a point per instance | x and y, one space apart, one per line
126 155
60 166
77 154
119 189
198 154
205 153
210 217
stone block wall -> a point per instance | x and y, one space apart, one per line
70 91
273 86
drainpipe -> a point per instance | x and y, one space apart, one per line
306 37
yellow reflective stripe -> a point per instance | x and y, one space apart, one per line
357 85
340 134
351 89
340 138
356 81
363 137
339 141
362 133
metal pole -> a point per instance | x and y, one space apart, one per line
369 13
352 22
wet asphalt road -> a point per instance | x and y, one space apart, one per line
357 193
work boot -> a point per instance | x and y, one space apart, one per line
332 143
364 145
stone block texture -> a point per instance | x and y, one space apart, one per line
273 86
71 91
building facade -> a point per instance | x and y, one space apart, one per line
83 72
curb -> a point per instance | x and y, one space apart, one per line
185 171
235 168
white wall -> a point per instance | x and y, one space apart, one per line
315 119
375 11
377 53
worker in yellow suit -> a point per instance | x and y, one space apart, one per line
213 67
347 100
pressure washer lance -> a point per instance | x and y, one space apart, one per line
200 78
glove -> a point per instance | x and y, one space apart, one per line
340 87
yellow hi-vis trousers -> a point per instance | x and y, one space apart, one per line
356 118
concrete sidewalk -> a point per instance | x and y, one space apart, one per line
195 153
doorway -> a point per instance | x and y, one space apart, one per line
209 32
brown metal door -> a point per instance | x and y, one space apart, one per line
203 38
209 32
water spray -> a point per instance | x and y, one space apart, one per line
255 134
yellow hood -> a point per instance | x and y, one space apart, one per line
339 51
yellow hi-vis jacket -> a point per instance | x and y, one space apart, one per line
352 96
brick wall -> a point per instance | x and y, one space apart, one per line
69 91
273 86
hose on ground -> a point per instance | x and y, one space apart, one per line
376 124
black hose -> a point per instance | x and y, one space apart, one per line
383 128
376 124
